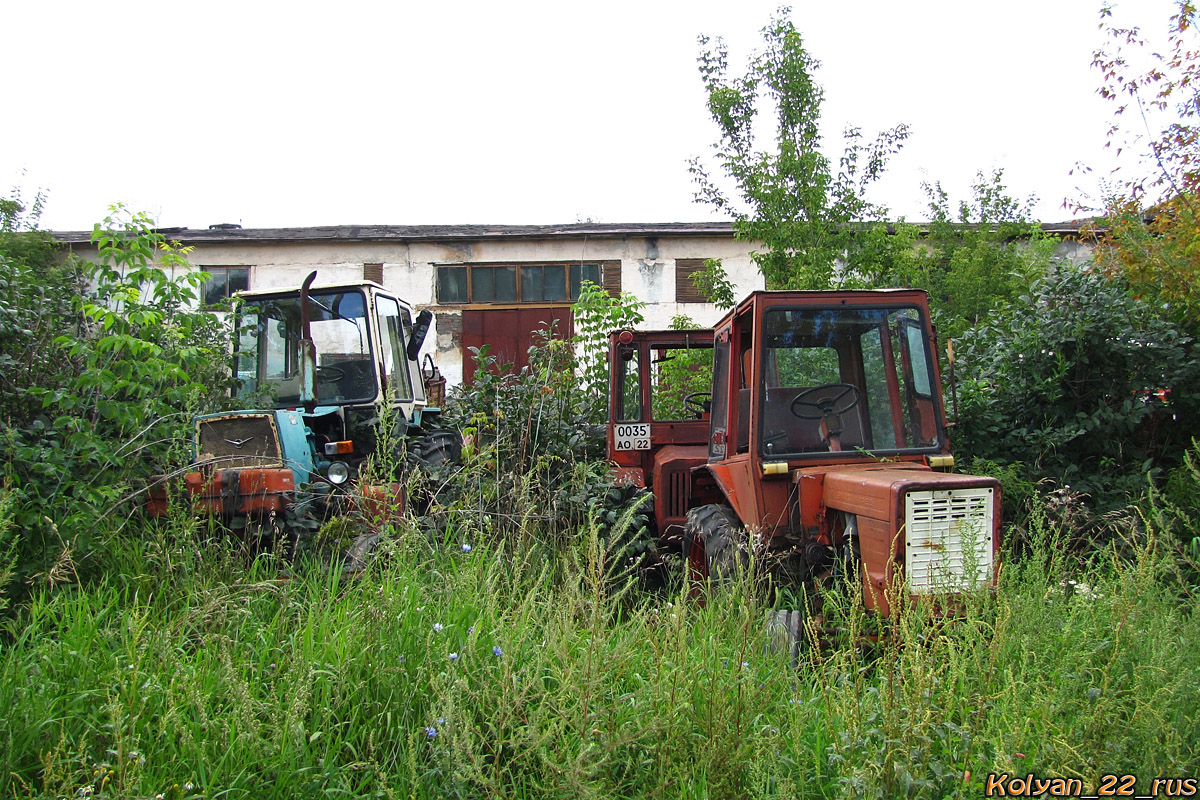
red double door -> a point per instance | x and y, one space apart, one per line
509 332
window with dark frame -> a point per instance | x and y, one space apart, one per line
222 283
514 283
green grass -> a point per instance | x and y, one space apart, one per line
185 668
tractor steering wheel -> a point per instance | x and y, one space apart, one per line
697 406
330 374
835 405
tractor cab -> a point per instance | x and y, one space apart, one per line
338 353
660 404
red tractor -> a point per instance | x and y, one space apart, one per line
807 429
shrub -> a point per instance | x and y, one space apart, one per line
597 314
532 463
100 384
1080 382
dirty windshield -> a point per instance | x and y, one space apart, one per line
847 380
269 349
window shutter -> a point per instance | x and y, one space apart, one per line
610 277
373 272
685 289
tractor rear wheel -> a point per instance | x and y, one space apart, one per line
715 543
435 447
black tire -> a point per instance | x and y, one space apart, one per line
716 532
433 448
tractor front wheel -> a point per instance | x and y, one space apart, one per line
715 543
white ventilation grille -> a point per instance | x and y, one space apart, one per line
948 540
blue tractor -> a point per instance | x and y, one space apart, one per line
331 383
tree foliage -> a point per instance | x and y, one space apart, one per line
972 258
1152 236
1080 382
597 314
713 282
104 363
791 197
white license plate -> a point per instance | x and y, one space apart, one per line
632 436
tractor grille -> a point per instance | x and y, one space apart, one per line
677 495
948 540
238 441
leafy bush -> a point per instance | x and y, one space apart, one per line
1177 508
100 384
981 256
532 464
1082 383
597 314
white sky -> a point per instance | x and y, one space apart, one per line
296 114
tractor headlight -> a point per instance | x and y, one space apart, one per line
338 473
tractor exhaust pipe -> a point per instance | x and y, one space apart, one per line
308 350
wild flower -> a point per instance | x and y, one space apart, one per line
497 652
466 548
454 656
431 732
437 627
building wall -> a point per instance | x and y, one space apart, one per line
647 271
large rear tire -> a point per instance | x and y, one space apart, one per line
715 542
435 447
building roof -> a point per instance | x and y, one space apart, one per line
229 234
225 234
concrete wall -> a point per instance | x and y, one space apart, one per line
647 271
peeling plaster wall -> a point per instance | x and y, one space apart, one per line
647 272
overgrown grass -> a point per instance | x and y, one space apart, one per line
509 671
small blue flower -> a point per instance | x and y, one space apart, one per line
437 627
471 630
431 732
441 720
497 652
745 663
454 656
466 548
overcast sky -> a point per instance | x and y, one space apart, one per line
297 114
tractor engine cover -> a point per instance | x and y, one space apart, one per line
938 532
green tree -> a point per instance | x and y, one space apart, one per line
1152 231
973 258
108 362
597 314
713 282
37 287
791 197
